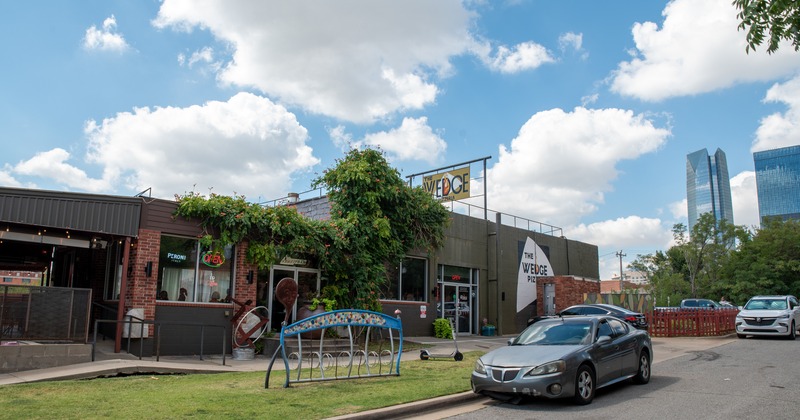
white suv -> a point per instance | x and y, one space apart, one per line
769 315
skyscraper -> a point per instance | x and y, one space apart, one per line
708 187
778 182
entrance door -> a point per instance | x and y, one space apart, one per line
457 303
307 283
549 299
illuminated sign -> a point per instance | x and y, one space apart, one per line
448 186
213 259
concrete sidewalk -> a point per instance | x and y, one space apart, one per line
107 363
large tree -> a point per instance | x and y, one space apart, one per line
778 20
376 218
767 264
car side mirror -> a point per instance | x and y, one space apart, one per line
603 339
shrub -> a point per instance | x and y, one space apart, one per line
442 328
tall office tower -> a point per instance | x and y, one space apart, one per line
778 182
708 187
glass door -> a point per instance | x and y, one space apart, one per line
457 306
307 287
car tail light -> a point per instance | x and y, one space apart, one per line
631 318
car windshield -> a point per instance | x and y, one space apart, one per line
555 333
774 304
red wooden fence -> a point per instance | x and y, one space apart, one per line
682 322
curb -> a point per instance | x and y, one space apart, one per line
416 407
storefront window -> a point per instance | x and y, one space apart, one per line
407 280
193 275
454 274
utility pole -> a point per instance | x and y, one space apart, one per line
621 276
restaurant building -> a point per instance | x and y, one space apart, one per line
136 257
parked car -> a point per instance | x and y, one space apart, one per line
700 303
769 315
636 319
565 358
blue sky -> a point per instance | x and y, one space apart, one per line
588 109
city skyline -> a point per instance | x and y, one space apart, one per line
587 109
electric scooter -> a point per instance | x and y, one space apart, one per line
426 354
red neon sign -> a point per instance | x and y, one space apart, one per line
213 259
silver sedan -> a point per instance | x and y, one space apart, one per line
565 357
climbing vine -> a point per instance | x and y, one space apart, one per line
376 218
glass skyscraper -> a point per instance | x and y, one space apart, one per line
708 187
778 182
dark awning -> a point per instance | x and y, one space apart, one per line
113 215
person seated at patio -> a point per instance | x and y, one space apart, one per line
214 297
182 295
163 295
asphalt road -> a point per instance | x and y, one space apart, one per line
745 379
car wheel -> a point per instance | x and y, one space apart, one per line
792 332
741 335
643 376
584 386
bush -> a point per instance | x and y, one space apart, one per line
442 328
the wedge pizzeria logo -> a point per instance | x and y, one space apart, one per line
448 186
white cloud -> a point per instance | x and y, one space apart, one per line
356 61
589 99
570 40
780 130
561 163
524 56
105 39
53 164
203 55
247 145
413 140
680 210
698 49
744 197
625 232
6 179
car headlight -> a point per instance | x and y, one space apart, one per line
479 367
784 316
548 368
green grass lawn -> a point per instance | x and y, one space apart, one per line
229 395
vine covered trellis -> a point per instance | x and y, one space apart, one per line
376 219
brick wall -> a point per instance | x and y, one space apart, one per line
570 291
244 290
142 290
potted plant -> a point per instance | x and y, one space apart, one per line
487 329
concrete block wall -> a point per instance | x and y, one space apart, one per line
30 355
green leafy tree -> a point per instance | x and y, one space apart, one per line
665 274
385 219
706 250
769 263
375 218
778 20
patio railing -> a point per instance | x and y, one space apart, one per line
682 322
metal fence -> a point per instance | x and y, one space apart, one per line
683 322
44 314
